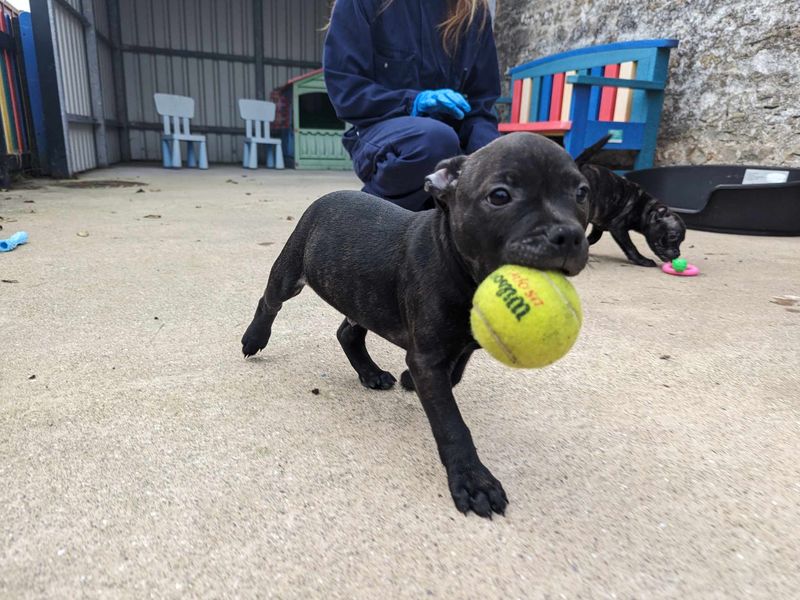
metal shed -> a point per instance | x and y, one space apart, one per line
107 58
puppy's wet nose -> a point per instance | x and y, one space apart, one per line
566 237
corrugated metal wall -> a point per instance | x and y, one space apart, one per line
205 49
292 31
75 56
74 87
113 55
106 64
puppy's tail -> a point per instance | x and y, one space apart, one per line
585 156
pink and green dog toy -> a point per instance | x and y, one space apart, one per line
680 267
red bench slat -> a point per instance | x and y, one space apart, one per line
557 96
540 126
608 97
515 101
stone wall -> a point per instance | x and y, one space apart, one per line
734 90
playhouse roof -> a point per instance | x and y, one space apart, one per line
303 76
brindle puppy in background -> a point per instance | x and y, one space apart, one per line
619 205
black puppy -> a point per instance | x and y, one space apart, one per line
620 206
410 277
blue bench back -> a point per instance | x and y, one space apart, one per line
651 56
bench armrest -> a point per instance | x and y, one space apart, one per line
635 84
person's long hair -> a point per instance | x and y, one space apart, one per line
461 15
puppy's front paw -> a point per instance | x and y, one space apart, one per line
643 262
474 488
251 347
379 380
254 339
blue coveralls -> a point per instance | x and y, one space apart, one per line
375 64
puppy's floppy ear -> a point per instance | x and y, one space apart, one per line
658 213
441 183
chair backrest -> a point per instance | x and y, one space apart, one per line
175 111
542 92
257 114
547 98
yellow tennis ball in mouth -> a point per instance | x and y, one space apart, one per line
526 318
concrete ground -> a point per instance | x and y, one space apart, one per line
140 455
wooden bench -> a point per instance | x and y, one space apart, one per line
588 93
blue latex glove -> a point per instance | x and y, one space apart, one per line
432 102
15 240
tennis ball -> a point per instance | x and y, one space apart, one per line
526 318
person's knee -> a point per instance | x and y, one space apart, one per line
409 151
435 141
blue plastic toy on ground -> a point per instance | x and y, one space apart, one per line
21 237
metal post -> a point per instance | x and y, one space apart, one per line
118 68
95 86
258 42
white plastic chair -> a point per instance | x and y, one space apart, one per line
176 112
257 115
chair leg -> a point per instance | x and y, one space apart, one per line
191 156
165 155
246 156
644 158
176 154
203 155
642 161
253 164
278 155
270 156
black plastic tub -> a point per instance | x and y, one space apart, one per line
727 198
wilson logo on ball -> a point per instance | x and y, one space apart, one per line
517 298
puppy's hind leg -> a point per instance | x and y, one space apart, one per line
351 336
285 282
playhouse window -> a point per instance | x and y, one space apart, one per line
316 112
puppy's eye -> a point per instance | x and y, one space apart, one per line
499 196
581 194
